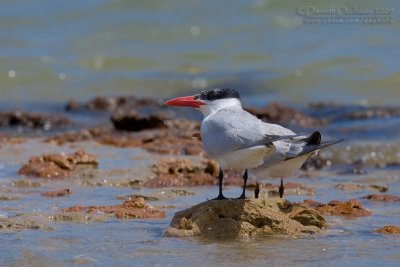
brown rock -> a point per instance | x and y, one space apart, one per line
278 113
56 165
8 198
58 193
244 218
389 229
11 140
310 203
132 121
173 172
176 138
356 187
134 208
385 198
32 120
349 208
42 170
26 183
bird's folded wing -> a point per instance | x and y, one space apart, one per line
250 157
249 131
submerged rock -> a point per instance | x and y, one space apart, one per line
58 193
23 222
77 217
134 209
11 140
56 165
33 120
383 198
244 218
356 187
8 198
182 172
389 229
347 208
26 183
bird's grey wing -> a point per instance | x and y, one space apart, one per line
232 129
251 131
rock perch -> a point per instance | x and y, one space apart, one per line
244 218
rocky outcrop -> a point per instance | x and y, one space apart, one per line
130 209
351 208
24 222
33 120
132 121
389 229
245 218
56 165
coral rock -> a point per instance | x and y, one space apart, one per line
389 229
133 208
351 208
56 165
244 218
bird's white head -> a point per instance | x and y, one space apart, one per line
208 101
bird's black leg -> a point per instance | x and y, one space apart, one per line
245 176
220 178
281 189
257 190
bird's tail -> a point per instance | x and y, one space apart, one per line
313 143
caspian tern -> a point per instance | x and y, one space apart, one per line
237 139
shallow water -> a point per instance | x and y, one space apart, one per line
346 242
53 51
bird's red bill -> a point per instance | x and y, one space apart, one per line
184 101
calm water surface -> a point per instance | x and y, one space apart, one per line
54 51
51 51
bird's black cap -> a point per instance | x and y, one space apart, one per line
217 93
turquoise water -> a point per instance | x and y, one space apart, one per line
53 50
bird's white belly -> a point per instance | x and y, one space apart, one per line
246 158
281 169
